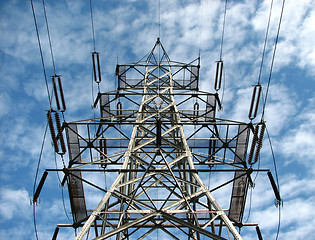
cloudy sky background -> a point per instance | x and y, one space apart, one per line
127 30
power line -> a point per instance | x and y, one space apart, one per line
116 38
279 221
35 180
92 23
40 157
49 39
269 80
268 86
277 180
60 184
201 18
223 29
272 61
267 90
34 222
265 43
273 158
159 18
41 54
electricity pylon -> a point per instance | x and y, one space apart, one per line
159 189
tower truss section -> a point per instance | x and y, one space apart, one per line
160 147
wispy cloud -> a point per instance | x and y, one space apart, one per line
14 203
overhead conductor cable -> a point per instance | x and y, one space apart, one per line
219 67
95 55
257 88
41 53
275 187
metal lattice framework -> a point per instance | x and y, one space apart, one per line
159 189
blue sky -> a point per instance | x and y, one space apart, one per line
127 30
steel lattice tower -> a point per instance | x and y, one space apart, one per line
160 188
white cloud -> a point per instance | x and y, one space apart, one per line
293 186
22 230
181 34
14 204
295 44
20 44
5 100
298 144
297 211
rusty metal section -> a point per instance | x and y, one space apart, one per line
240 184
75 184
76 195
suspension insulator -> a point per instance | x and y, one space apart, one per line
252 148
39 187
218 76
61 95
55 233
158 132
255 102
196 109
60 135
258 233
260 141
119 108
52 131
56 80
55 92
274 187
96 67
212 147
103 148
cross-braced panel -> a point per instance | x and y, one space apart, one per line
159 134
